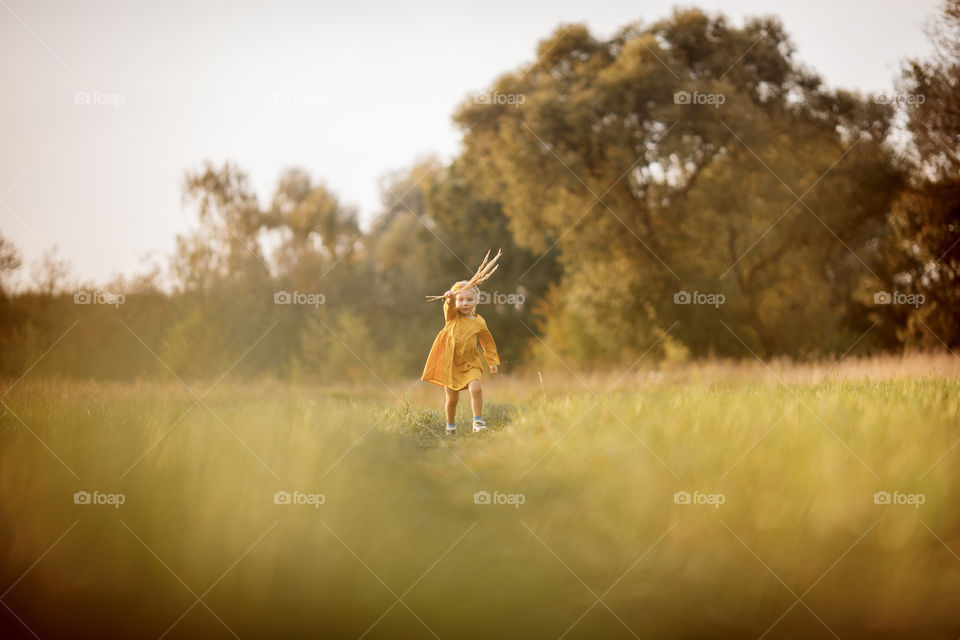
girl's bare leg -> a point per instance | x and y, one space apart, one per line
476 397
450 405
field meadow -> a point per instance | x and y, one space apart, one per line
707 500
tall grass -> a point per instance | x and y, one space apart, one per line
599 547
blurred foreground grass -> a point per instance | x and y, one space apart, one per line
586 534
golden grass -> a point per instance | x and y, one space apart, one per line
796 467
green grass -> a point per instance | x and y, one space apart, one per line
797 467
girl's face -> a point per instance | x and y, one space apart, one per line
466 301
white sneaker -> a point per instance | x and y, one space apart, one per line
451 430
479 425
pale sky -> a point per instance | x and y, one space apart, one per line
347 91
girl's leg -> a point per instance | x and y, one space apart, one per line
476 397
450 405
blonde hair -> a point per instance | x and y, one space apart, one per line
458 287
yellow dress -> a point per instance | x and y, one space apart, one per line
454 361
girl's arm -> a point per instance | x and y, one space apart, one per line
489 348
450 306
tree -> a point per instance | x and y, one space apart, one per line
225 301
10 261
926 217
317 231
225 247
688 156
51 275
930 92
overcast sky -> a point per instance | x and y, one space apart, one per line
348 91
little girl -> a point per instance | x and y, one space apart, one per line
454 363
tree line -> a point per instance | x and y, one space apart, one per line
682 189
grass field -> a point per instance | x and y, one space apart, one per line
702 502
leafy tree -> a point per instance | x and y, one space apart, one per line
926 217
225 248
688 156
317 231
225 289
